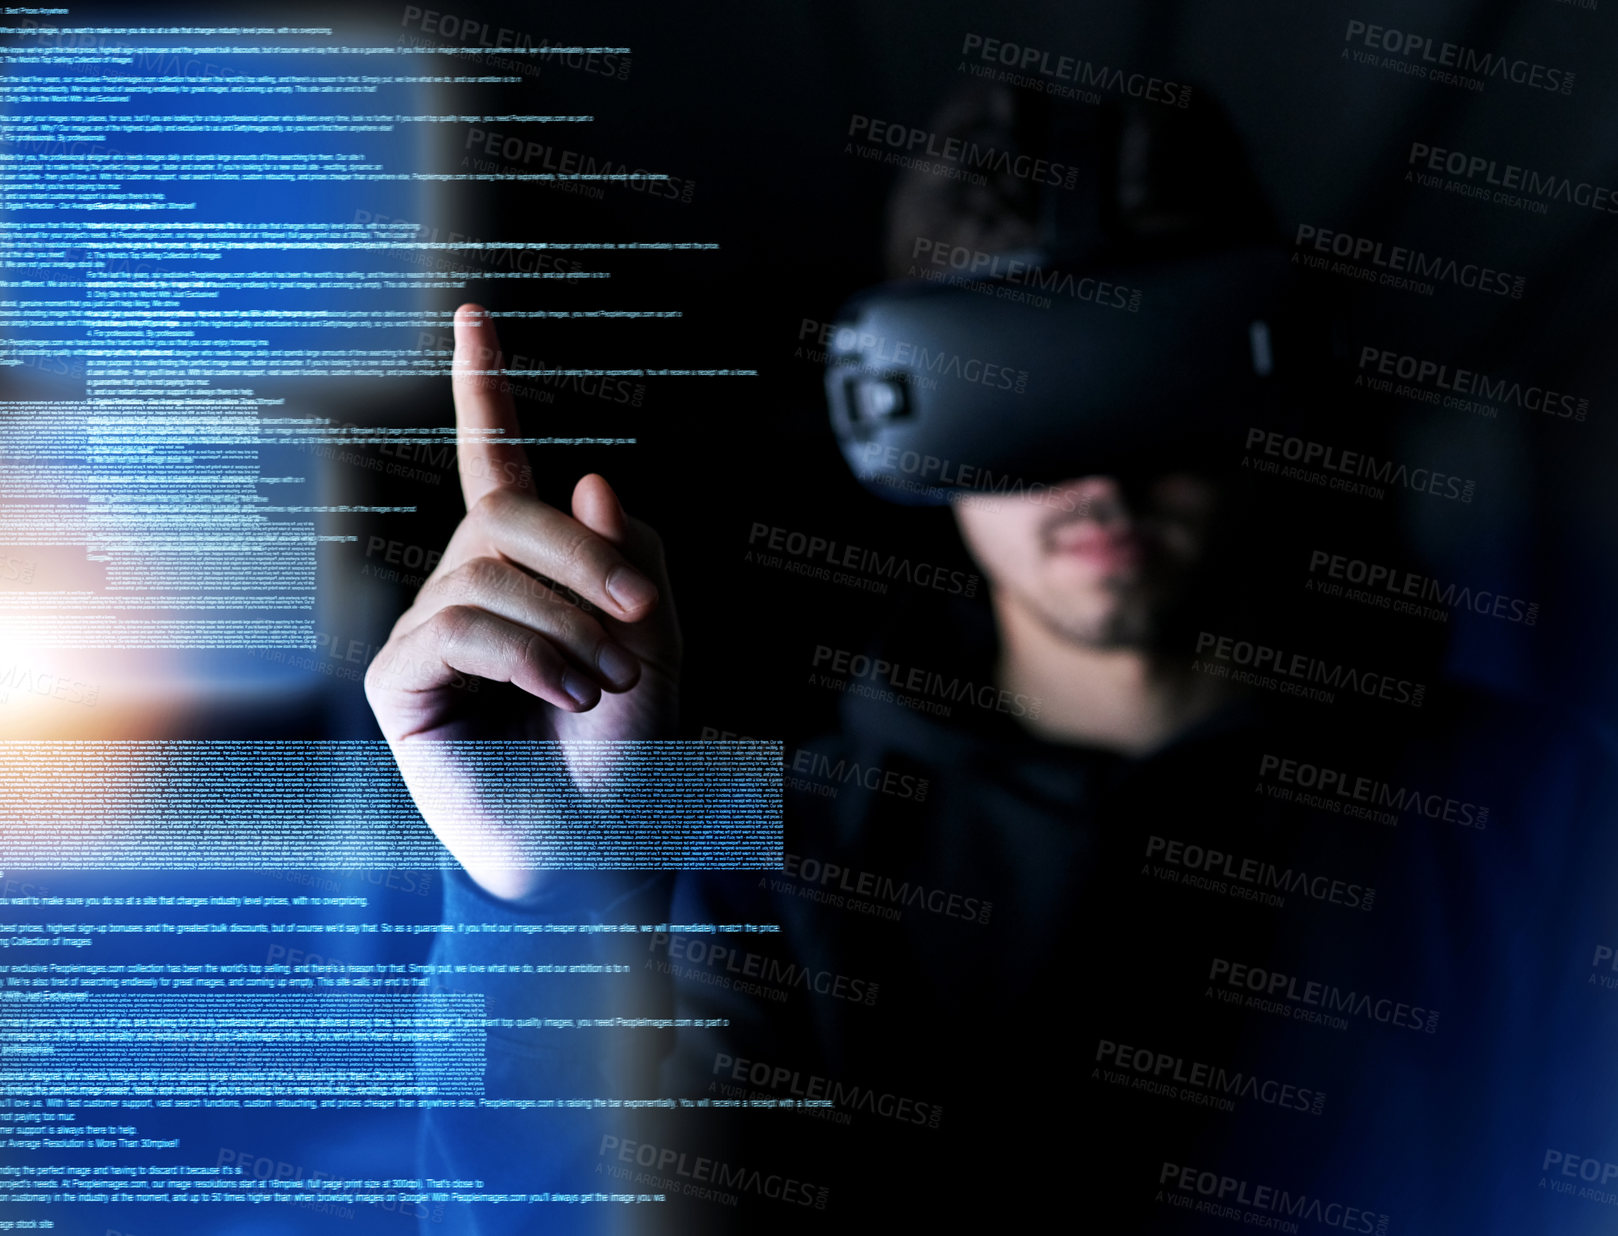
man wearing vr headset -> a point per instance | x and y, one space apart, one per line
1168 938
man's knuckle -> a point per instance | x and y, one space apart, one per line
480 575
570 621
584 552
495 506
454 624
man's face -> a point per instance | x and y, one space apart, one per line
1105 572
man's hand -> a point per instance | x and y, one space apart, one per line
606 668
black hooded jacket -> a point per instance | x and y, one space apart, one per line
1324 964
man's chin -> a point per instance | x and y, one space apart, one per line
1108 626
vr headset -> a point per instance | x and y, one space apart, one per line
979 384
1033 367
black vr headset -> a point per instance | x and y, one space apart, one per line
1143 332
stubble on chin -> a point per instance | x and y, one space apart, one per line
1123 620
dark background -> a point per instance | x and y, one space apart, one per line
749 107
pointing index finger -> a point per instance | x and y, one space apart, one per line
484 412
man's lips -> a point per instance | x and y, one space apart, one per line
1105 547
